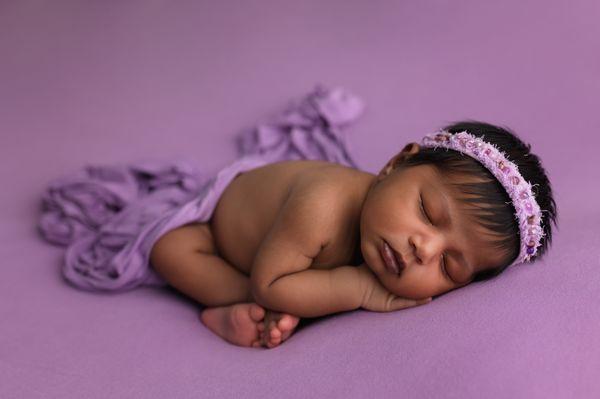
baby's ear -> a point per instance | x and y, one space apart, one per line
408 151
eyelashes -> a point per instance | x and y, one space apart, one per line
423 209
443 261
443 267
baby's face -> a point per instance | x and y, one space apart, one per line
392 212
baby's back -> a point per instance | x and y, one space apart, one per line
251 203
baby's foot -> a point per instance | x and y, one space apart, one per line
276 328
235 323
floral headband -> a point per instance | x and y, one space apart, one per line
528 213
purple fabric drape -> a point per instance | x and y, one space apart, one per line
109 217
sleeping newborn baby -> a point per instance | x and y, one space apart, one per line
303 238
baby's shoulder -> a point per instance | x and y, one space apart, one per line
326 193
329 181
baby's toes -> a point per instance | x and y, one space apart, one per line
274 341
257 312
272 336
274 331
287 323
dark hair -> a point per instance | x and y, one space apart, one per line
494 208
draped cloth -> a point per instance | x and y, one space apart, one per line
109 216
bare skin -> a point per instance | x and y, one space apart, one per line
186 257
300 239
229 241
243 324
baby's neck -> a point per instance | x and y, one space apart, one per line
361 184
357 258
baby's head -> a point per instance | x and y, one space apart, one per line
448 217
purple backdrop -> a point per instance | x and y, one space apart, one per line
106 82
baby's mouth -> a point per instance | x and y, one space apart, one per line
392 259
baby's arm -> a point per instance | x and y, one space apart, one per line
314 292
281 278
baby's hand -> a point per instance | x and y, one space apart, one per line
377 298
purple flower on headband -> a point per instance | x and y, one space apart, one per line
478 146
441 137
503 167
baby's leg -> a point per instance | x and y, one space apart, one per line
186 258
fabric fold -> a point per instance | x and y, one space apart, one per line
80 203
109 216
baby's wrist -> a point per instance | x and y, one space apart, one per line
366 278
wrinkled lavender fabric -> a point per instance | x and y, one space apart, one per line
109 217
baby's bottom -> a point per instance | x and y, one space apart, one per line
186 258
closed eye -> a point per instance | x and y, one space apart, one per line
423 208
443 260
444 269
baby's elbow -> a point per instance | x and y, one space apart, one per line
260 292
272 298
259 297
